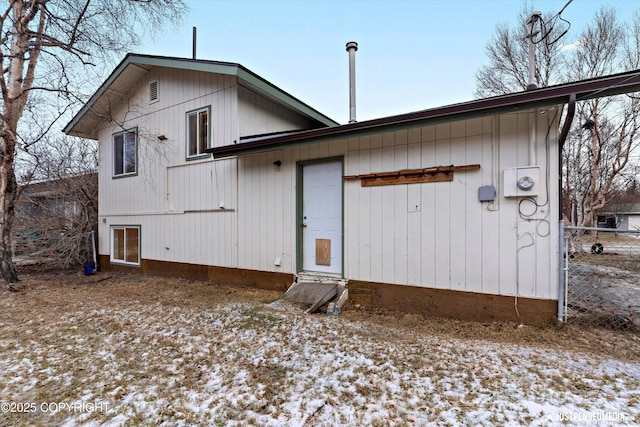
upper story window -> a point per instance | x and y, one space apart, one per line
197 132
125 153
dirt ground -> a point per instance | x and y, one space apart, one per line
604 288
60 290
67 337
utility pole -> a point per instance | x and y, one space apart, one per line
532 20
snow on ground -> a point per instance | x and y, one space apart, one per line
128 361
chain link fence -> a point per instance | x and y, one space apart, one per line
602 277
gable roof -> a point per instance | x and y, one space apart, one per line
134 66
544 97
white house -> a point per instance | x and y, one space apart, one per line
208 171
622 216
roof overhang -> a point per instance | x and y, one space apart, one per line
538 98
134 67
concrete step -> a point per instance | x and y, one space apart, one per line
316 290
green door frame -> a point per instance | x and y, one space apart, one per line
299 206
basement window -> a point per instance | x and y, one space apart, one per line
153 91
125 245
198 134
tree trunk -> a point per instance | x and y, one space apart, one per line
17 80
8 192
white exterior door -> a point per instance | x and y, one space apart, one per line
322 217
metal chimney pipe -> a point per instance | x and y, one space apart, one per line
352 47
194 43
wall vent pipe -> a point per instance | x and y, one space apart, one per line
352 47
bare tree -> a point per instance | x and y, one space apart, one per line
597 154
58 205
507 52
597 157
45 46
608 127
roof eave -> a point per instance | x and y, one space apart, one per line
69 128
537 98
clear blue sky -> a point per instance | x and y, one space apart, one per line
412 54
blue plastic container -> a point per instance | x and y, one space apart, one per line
89 268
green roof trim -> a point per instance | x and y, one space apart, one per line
217 67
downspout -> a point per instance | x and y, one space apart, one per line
571 111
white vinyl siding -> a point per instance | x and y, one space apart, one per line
177 202
242 212
260 116
434 235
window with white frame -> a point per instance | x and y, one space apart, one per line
125 244
125 153
197 132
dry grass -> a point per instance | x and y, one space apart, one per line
166 351
622 262
61 291
619 344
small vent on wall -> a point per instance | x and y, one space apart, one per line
153 91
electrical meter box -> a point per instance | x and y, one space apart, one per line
521 182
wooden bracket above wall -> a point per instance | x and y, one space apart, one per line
410 176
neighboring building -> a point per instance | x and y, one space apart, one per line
208 171
621 216
52 215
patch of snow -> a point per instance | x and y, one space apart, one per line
244 363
